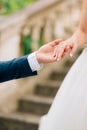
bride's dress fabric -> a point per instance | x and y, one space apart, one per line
69 108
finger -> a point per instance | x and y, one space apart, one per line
55 54
64 54
56 42
72 51
66 50
61 52
55 50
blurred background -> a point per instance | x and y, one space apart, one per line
25 25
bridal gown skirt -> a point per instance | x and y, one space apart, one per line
69 108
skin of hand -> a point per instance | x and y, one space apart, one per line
65 47
45 53
70 45
77 39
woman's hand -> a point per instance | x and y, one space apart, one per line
68 46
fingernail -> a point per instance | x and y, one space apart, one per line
58 59
54 55
68 47
71 55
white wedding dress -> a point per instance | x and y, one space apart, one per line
69 109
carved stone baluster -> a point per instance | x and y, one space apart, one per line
59 26
25 40
48 30
36 36
53 18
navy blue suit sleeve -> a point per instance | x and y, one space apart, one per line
14 69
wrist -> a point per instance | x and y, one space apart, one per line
38 57
33 62
80 37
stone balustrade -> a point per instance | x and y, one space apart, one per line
44 21
52 16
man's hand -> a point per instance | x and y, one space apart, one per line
45 53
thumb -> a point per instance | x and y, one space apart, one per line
56 42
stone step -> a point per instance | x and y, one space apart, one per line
47 88
35 104
19 121
79 51
64 68
58 75
68 63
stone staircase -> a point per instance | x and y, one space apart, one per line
32 107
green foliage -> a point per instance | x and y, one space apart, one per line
40 41
27 44
10 6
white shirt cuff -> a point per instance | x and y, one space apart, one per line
33 63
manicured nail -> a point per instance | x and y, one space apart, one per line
71 55
58 59
54 55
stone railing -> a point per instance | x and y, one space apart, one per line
43 21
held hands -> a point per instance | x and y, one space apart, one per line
68 46
45 53
56 50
